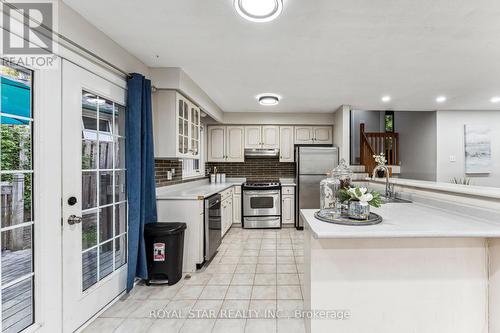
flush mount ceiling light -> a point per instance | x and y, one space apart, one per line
268 99
441 99
386 99
259 10
495 99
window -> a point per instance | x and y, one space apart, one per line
389 121
192 168
16 188
104 204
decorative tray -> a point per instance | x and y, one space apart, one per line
372 220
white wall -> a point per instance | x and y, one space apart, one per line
417 144
276 118
450 142
342 131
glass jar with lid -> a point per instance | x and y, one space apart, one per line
329 203
344 175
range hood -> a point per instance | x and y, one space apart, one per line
262 153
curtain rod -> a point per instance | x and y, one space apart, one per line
83 50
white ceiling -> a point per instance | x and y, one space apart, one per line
318 54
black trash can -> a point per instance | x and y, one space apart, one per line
164 252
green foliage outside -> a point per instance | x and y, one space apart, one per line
16 155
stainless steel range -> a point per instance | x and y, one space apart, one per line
261 205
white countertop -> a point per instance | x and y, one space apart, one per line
482 191
197 190
411 220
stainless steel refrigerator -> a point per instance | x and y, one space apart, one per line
312 163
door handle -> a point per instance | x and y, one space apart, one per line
73 219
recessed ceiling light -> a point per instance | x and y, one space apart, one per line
268 99
386 99
441 99
495 99
259 10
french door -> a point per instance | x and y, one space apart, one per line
94 194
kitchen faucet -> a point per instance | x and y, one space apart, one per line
389 188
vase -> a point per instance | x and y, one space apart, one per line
357 211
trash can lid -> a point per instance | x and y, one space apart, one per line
160 228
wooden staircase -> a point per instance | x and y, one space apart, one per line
375 143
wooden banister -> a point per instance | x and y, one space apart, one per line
376 143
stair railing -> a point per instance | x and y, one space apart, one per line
375 143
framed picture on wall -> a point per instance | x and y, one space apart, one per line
477 149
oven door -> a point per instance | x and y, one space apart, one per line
261 203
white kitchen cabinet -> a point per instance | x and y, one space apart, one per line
286 144
323 135
307 135
237 205
304 135
225 144
177 128
288 205
226 210
262 137
253 137
216 144
270 137
235 144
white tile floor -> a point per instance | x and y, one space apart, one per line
256 272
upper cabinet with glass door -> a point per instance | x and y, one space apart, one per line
177 129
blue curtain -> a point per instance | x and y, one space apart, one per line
140 173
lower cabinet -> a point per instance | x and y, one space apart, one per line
288 205
226 215
237 205
190 212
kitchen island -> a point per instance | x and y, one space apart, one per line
424 269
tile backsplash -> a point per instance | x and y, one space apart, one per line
161 169
255 169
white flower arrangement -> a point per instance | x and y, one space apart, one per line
380 159
361 195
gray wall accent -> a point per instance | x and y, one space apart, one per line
374 122
417 144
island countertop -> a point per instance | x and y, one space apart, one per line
412 220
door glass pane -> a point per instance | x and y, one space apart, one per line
119 120
120 219
106 154
17 306
119 153
106 188
16 254
89 190
103 186
89 230
105 259
15 144
105 224
89 154
16 198
120 189
89 268
120 251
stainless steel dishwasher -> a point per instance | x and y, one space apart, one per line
213 225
